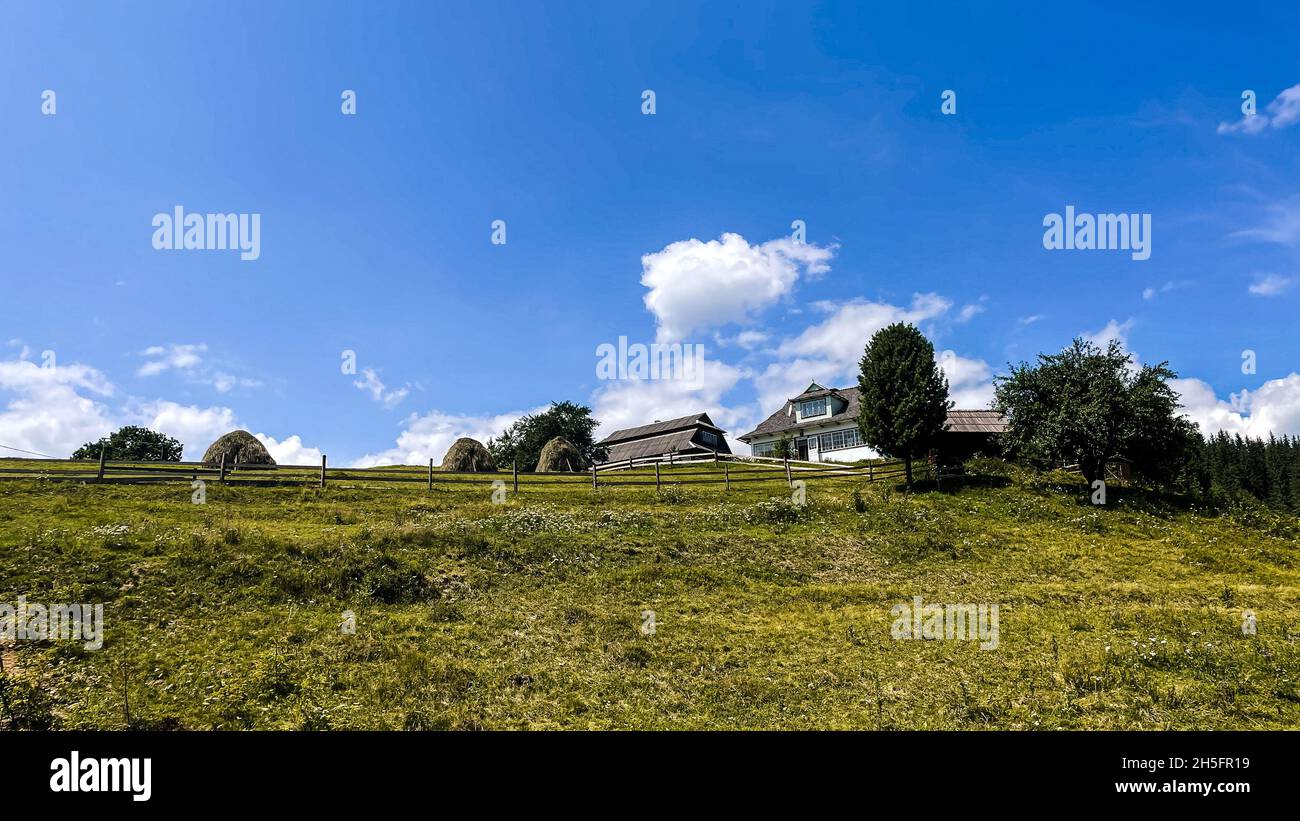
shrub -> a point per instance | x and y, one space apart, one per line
777 510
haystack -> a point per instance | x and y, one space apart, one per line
468 454
559 454
240 448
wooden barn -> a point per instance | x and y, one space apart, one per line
687 436
970 433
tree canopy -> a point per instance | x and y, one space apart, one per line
133 444
1086 405
903 395
523 441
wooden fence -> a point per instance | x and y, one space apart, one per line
723 469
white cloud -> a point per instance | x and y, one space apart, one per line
372 384
290 451
188 360
1273 409
222 382
842 337
1281 226
1117 331
969 312
1152 293
1269 285
51 413
168 357
195 427
1283 111
1113 330
829 352
970 381
429 436
750 339
47 414
1030 320
626 403
696 285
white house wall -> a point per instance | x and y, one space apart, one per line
845 455
816 455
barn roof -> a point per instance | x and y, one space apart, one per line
976 421
684 423
673 442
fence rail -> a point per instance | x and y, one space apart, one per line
716 469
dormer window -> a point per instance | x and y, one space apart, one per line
812 407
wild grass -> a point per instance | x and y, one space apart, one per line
768 614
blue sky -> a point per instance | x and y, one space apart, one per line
376 227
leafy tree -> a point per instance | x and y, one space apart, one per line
783 448
133 444
523 441
1087 405
903 401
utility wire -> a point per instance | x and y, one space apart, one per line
29 452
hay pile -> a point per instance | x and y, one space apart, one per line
240 448
468 454
559 454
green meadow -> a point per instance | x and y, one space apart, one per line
531 614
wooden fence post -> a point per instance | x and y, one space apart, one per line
788 481
514 469
221 476
593 477
715 457
101 462
656 475
322 470
871 473
629 463
430 474
726 477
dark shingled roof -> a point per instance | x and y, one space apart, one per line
815 391
675 442
959 421
686 422
681 435
784 418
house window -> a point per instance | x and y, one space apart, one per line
764 448
709 437
813 407
839 439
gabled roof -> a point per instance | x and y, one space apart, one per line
695 420
976 421
814 389
817 394
783 420
959 421
680 441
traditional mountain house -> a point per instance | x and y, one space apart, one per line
822 426
689 435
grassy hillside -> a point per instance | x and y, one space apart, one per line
528 614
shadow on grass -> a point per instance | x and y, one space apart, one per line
956 483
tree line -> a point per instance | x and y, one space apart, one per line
1268 469
1082 408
